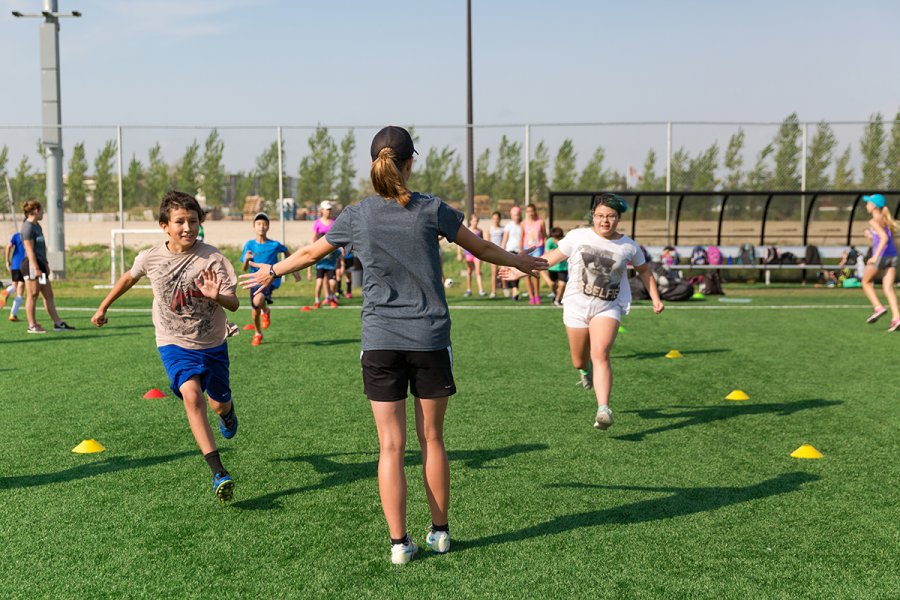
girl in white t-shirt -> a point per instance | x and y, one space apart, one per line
598 294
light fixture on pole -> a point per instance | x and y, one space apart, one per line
51 139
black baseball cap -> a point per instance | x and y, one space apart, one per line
396 138
261 216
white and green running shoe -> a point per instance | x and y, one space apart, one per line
403 553
604 418
438 541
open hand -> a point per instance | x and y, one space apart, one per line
208 283
260 278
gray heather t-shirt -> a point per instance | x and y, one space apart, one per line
32 231
404 307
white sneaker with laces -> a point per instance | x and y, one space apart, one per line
438 541
586 381
403 553
604 418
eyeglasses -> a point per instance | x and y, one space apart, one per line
612 217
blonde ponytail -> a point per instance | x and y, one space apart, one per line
386 177
889 221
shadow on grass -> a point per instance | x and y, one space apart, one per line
341 473
698 416
50 337
677 503
108 465
646 355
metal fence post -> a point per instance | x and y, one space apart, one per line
281 184
527 164
668 179
803 151
121 199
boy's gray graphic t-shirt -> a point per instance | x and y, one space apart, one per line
404 306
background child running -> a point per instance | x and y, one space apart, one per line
884 260
327 267
15 254
558 273
473 265
496 233
262 249
192 282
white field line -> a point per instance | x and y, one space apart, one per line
641 307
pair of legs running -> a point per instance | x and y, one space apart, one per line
390 420
590 347
195 403
33 289
887 285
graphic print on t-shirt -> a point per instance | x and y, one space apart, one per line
598 278
179 292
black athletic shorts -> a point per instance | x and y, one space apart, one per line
324 274
28 271
558 276
16 275
387 374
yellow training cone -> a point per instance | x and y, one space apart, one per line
737 395
88 447
806 451
674 354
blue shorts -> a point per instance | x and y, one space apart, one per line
266 292
538 251
210 365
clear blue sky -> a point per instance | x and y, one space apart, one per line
280 62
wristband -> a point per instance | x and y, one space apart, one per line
272 272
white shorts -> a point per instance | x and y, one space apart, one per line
579 309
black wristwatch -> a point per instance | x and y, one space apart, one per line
272 272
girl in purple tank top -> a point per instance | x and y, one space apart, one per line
884 260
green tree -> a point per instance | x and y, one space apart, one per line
346 171
760 178
158 179
819 157
76 189
650 181
133 189
871 146
593 177
4 159
188 169
212 171
892 157
787 154
242 186
318 169
484 178
681 170
265 175
843 172
734 161
24 183
537 171
441 175
510 175
564 171
106 196
703 169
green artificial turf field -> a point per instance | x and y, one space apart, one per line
688 495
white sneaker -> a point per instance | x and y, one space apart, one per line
604 418
468 293
403 553
586 381
438 541
493 295
482 293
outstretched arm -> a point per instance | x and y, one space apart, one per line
125 283
492 253
302 258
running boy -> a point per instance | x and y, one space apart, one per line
192 282
262 250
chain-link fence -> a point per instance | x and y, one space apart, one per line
514 164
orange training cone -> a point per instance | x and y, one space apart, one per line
154 393
249 326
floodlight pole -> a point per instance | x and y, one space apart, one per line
51 117
470 144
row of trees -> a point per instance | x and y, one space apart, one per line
327 170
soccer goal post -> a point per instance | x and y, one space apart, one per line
117 248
